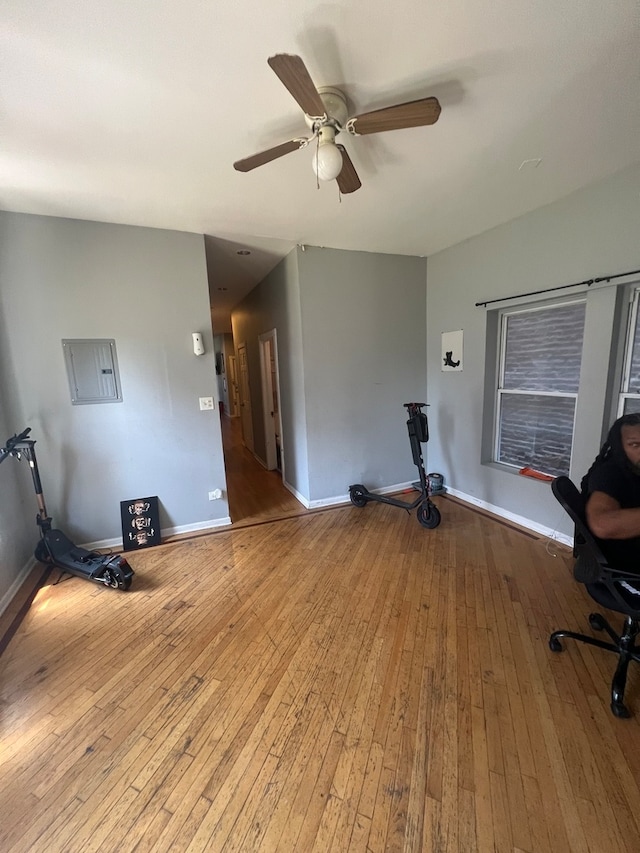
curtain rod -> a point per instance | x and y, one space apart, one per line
588 282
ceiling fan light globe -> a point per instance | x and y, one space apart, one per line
327 162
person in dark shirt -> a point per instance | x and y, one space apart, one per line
612 490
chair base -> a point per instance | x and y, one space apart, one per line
624 645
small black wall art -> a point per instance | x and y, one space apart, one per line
140 523
451 351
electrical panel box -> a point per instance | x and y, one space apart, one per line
92 370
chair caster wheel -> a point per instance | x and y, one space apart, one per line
555 645
620 710
596 621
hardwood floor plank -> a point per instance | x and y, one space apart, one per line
482 781
502 835
450 765
432 836
311 809
187 828
540 832
518 818
359 837
466 831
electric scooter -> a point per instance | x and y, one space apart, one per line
427 512
56 549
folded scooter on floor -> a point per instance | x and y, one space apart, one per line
54 548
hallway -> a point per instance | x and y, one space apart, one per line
255 494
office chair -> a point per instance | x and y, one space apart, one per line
608 586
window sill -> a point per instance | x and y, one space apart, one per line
508 469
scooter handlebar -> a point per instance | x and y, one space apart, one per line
9 447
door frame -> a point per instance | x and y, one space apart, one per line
232 386
247 439
268 343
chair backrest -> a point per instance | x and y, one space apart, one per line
590 560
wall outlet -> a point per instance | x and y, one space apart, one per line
206 403
215 495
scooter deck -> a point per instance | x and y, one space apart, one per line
69 556
57 549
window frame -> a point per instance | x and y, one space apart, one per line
500 391
629 345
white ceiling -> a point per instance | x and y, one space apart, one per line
133 112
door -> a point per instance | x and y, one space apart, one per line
234 390
271 400
245 398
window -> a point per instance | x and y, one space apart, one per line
540 353
629 400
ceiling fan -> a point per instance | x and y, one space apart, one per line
326 116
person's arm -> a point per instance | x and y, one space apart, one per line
607 520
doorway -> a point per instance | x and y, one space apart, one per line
256 486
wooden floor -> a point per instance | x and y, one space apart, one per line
344 680
254 493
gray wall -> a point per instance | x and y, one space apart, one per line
147 289
351 331
17 505
363 333
590 233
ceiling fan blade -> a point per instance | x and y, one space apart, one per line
294 75
348 180
270 154
412 114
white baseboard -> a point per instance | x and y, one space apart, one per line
499 511
260 461
305 503
10 594
212 524
166 531
511 516
341 499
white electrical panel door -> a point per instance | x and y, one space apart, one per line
92 370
